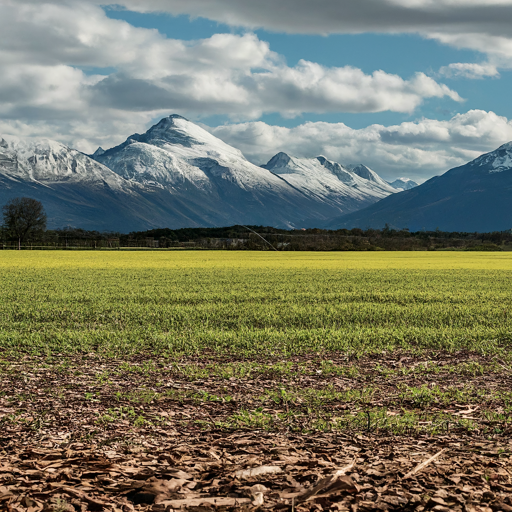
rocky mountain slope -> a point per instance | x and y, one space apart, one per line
473 197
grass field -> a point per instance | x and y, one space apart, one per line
242 303
383 356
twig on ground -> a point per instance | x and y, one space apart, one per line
423 465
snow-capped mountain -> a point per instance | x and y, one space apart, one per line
74 189
473 197
399 184
403 184
181 165
496 161
179 175
48 162
176 152
368 174
179 158
330 182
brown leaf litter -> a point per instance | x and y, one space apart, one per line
95 437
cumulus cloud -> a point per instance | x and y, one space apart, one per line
49 50
307 87
335 16
481 25
416 149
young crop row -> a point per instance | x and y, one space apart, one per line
255 304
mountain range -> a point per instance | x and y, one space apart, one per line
179 175
473 197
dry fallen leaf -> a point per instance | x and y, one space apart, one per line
75 463
328 486
245 474
162 489
197 502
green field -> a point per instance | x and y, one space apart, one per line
119 368
182 303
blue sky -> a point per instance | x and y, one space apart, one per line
408 87
401 54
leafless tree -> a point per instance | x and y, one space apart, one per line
24 216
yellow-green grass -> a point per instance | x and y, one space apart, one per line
140 260
254 304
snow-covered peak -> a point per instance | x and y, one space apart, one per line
194 156
208 143
364 172
29 145
182 138
328 180
335 168
503 160
98 152
278 161
46 161
403 184
169 131
285 164
496 161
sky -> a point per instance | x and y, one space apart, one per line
408 87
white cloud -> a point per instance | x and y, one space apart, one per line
470 70
47 47
46 89
335 16
416 150
310 87
482 25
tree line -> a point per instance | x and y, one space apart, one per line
24 220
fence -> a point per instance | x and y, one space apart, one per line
258 242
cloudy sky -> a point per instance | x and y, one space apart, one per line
408 87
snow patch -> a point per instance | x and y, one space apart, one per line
501 164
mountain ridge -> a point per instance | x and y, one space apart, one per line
328 180
177 174
197 160
403 184
471 197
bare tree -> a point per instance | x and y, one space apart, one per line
24 216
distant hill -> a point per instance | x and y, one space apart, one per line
474 197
